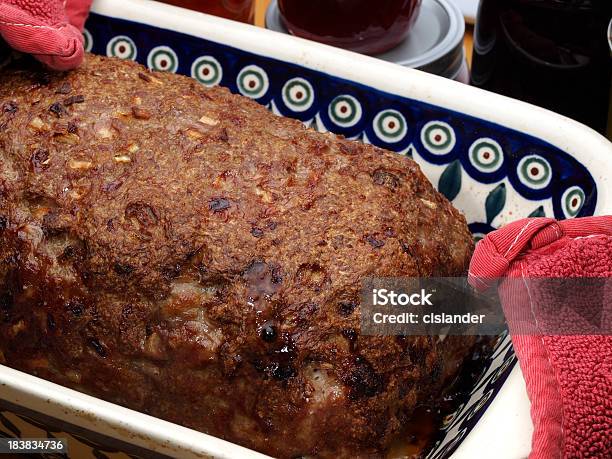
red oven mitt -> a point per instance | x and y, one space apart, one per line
50 30
568 377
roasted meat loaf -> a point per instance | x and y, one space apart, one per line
184 252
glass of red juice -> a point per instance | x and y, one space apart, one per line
364 26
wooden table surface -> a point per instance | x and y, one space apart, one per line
260 13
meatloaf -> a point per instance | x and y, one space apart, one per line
184 252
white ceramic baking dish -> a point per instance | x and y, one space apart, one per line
497 159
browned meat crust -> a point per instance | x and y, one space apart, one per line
184 252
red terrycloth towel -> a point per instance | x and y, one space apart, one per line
568 377
49 30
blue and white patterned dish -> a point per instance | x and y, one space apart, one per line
496 159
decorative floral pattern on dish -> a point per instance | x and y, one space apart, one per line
535 172
122 47
207 70
345 111
390 126
298 95
163 59
486 155
253 82
87 40
572 201
438 137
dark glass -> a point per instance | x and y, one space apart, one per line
364 26
552 53
238 10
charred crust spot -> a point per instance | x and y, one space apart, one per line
281 367
282 372
9 107
123 269
219 204
202 270
376 243
268 332
406 248
402 341
385 178
259 365
277 278
51 326
6 306
76 307
172 271
97 346
346 308
272 225
72 127
69 253
417 355
65 88
127 311
223 135
286 350
144 77
256 232
362 380
42 78
78 99
39 159
436 370
57 109
350 334
143 213
279 363
3 223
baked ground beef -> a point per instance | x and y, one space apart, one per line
186 253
